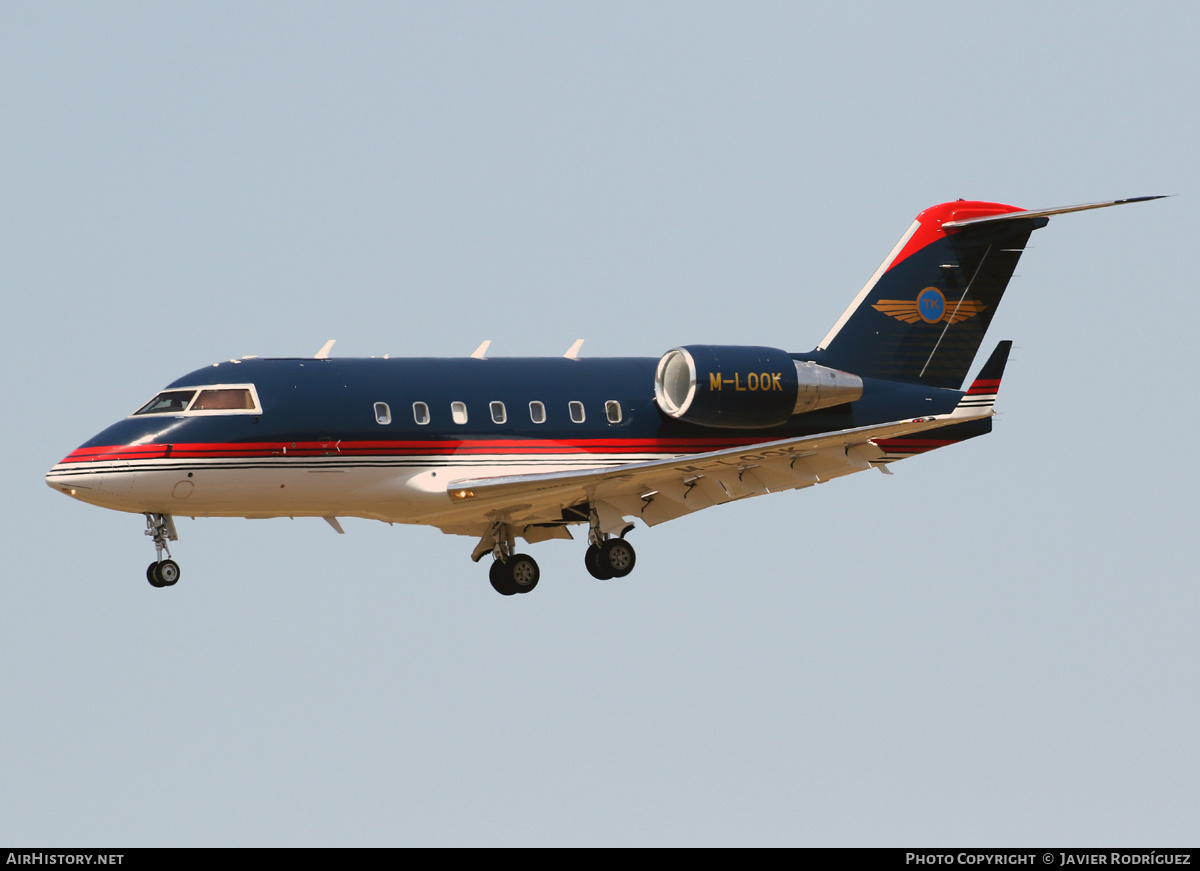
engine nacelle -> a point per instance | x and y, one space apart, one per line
745 386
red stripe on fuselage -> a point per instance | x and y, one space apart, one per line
222 450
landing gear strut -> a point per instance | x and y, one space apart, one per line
162 572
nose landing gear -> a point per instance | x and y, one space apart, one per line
162 572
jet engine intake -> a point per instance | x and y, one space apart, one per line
746 386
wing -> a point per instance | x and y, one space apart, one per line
660 490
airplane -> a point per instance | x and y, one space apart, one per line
505 448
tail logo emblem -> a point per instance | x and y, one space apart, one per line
929 306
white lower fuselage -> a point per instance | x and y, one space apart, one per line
378 489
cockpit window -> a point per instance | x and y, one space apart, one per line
168 402
224 399
210 399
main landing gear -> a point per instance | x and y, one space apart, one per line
608 558
512 573
162 572
519 573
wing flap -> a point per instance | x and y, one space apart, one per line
660 509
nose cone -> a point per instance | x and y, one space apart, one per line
104 470
90 475
68 476
107 484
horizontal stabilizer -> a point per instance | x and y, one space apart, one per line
1041 213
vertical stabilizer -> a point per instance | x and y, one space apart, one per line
922 316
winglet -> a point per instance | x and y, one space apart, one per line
323 354
573 351
481 351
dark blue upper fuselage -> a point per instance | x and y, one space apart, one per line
331 399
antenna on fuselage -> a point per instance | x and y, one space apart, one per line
481 350
323 354
573 351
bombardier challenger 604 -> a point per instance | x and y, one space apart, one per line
525 448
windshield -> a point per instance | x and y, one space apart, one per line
225 399
216 399
168 402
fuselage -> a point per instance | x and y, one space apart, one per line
512 448
383 438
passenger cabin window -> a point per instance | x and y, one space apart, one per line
168 402
383 414
498 413
421 413
612 410
458 412
537 412
224 399
577 412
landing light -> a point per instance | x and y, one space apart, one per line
462 494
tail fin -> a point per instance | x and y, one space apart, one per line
923 314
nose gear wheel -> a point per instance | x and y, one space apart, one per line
162 572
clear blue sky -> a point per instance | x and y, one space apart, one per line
995 646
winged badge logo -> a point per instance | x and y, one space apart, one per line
929 306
